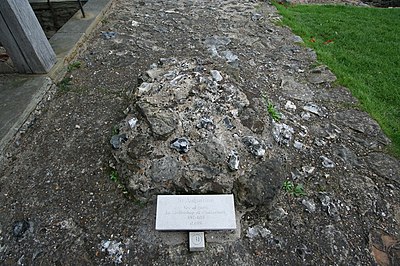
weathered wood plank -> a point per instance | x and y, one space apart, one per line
23 37
17 57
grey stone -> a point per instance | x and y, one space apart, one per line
309 204
313 108
347 156
233 161
117 140
305 115
337 95
385 166
282 133
228 123
107 35
165 168
114 250
20 227
258 231
162 124
312 54
334 243
206 123
321 74
230 57
182 145
308 169
216 75
144 87
296 90
255 146
154 73
252 120
277 214
326 162
319 142
290 106
256 16
328 205
298 145
262 184
132 122
213 150
303 251
361 122
297 39
140 146
215 43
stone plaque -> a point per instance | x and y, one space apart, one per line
195 212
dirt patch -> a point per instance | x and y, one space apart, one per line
60 205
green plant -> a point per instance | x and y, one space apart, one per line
114 176
293 189
288 186
271 109
273 112
74 65
115 130
64 83
298 190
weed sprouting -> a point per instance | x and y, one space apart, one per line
114 176
271 108
296 190
64 83
73 66
273 112
115 130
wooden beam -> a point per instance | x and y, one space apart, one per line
23 38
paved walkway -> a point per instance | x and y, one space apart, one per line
21 94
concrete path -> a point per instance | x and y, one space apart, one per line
20 94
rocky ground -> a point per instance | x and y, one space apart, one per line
199 97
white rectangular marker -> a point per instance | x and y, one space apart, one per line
195 212
196 241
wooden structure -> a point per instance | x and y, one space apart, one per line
23 38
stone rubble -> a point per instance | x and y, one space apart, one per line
114 250
191 80
207 130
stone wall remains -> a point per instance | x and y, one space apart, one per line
383 3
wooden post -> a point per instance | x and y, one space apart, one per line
23 38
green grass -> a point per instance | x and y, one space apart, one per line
362 47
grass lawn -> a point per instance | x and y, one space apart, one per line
362 47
